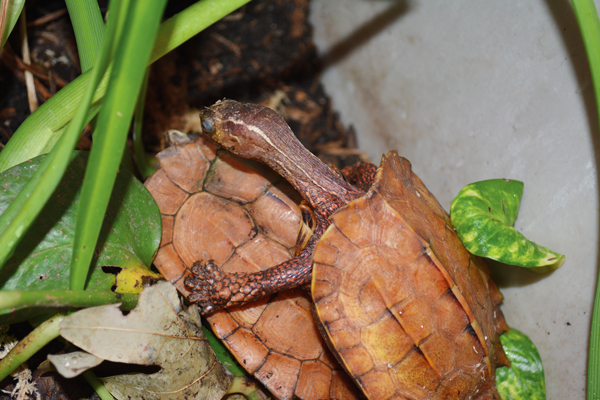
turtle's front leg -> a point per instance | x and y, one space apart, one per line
212 289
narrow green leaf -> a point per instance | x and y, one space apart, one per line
223 354
524 380
190 22
483 214
139 154
131 57
89 29
589 24
12 16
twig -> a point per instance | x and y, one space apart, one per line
15 64
47 18
29 83
228 43
17 67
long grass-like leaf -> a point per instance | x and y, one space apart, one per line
587 18
89 30
139 154
12 16
138 32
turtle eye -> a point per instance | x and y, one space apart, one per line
208 125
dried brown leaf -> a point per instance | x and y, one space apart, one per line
156 332
72 364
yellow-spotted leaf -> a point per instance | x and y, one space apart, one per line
483 214
524 380
133 277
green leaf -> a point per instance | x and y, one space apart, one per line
12 16
589 24
483 214
525 377
88 27
223 354
129 238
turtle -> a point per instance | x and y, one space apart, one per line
406 309
243 217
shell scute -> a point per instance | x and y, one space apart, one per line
223 324
249 350
229 224
280 373
426 280
237 179
340 387
168 196
324 287
303 342
439 352
372 303
331 309
470 359
186 166
391 281
378 384
386 341
343 334
415 376
451 328
167 233
416 317
359 358
275 202
314 381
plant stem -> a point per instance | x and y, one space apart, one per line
31 344
97 385
17 299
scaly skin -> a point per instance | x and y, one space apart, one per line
257 132
213 289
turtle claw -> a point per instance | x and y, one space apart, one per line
208 291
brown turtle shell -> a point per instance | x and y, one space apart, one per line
216 206
411 314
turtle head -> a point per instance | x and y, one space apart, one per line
247 130
259 133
